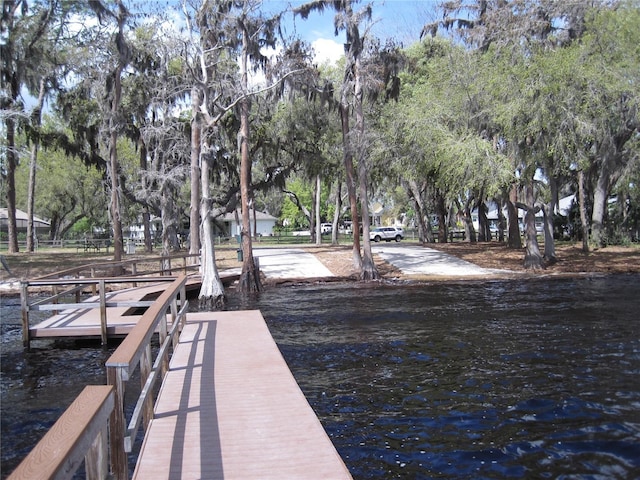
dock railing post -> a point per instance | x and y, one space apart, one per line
119 465
54 289
103 313
24 304
134 272
97 458
162 337
145 371
93 285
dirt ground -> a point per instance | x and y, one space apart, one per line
570 258
339 261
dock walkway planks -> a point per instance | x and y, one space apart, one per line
230 408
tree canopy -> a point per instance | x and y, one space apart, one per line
505 105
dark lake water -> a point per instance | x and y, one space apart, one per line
502 379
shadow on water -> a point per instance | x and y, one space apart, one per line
505 379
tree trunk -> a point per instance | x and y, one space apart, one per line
336 213
425 235
114 121
118 247
211 296
169 232
532 257
484 234
502 221
253 214
441 212
196 135
146 216
351 184
36 123
249 278
422 228
11 186
469 230
583 213
600 196
369 270
549 242
515 240
547 211
317 210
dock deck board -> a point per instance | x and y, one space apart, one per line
230 408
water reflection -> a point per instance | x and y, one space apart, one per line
461 380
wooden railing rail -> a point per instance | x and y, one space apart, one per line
105 269
80 433
158 371
77 285
52 300
134 351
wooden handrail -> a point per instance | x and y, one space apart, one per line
135 350
81 432
133 262
157 372
128 353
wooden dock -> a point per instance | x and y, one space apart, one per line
230 408
81 322
86 322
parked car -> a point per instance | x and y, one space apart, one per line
386 233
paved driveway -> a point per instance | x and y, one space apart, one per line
414 260
290 263
410 259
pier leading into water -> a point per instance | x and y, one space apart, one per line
228 406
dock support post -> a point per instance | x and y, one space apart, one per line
103 314
24 303
119 466
97 458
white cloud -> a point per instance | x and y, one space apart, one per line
327 51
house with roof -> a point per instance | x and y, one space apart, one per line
264 223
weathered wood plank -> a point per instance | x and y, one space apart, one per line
62 449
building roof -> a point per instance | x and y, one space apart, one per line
20 217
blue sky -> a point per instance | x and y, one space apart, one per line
399 19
